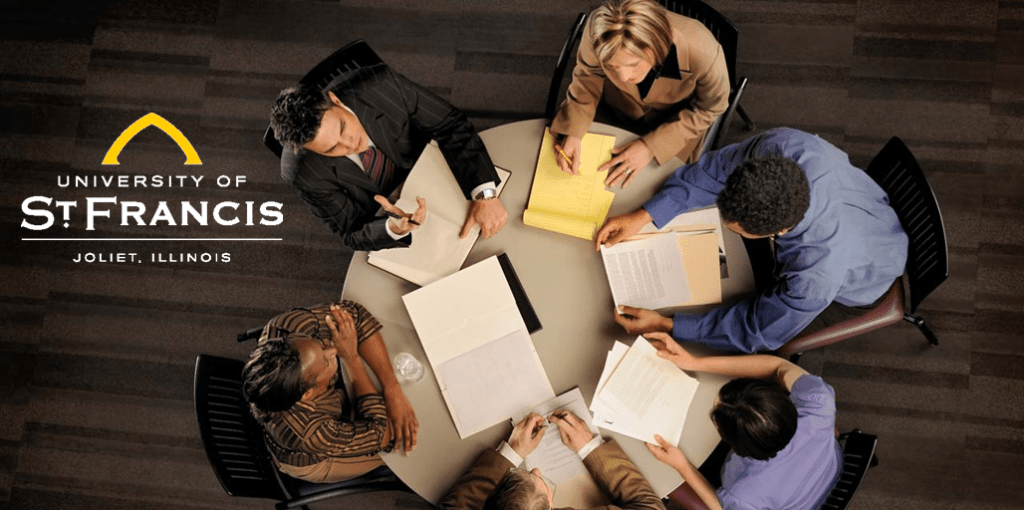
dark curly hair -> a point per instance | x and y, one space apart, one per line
516 491
296 115
765 195
755 417
272 378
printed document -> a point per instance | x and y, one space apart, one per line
644 395
647 273
554 459
575 205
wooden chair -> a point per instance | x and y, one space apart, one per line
234 446
896 170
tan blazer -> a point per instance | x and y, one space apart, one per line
704 81
614 473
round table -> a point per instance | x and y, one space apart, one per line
566 282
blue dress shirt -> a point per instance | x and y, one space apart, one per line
848 248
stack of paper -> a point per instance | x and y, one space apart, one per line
576 205
640 395
698 221
555 460
478 346
436 250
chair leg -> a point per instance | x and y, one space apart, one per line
795 358
746 118
919 322
874 461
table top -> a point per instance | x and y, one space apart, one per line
566 283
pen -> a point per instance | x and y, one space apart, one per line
564 155
400 217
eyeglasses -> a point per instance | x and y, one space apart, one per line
549 483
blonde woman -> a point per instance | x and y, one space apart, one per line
663 74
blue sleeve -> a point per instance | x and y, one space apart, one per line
813 397
696 185
764 322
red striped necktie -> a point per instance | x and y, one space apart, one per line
378 167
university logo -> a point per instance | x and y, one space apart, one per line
152 119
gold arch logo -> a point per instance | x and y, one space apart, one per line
152 119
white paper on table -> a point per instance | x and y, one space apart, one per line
648 393
464 311
647 273
492 382
555 460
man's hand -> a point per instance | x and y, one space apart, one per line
620 228
404 226
526 435
667 453
402 419
572 146
638 321
489 214
343 333
574 432
672 351
627 162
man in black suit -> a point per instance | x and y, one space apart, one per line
349 148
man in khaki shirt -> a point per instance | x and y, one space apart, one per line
494 483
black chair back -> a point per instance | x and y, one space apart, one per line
858 456
724 31
352 57
568 54
231 437
896 170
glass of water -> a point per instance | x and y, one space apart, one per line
407 367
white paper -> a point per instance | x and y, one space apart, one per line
555 460
646 395
492 382
707 216
647 273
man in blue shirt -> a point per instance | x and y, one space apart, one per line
779 422
838 244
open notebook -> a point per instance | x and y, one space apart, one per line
575 205
436 250
478 345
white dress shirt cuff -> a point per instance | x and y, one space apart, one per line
478 189
393 235
589 447
506 451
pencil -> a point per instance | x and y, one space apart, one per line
400 217
564 155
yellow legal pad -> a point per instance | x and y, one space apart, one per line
576 205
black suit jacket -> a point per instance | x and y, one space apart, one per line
400 117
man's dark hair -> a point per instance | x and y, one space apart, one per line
516 491
296 115
765 195
272 378
755 417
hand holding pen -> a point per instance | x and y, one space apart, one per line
568 153
574 431
406 222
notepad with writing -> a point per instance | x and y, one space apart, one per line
575 205
478 346
436 250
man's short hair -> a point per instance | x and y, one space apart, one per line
296 115
755 417
765 195
272 378
516 491
636 26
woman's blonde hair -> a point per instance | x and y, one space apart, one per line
637 26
